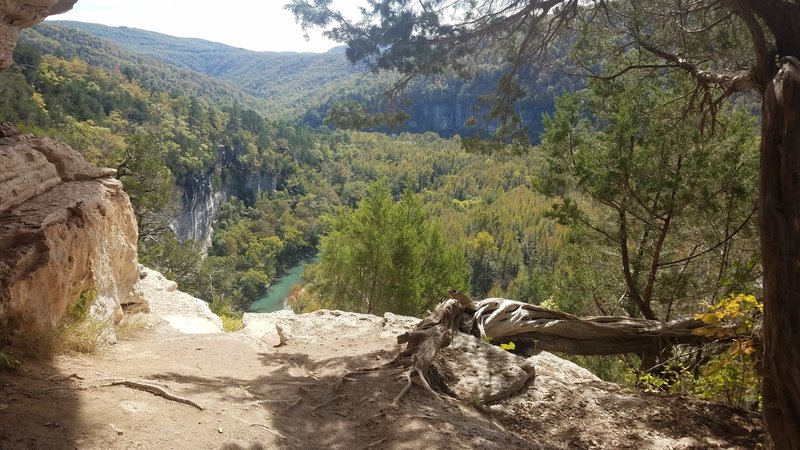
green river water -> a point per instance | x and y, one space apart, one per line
275 296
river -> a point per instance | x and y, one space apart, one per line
275 297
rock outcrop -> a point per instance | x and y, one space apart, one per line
180 310
476 371
19 14
201 199
200 204
562 406
66 227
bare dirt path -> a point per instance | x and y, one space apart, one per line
254 395
257 396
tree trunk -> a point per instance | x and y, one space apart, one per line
780 246
504 320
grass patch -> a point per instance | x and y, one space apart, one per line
78 333
8 362
131 326
84 336
231 323
232 320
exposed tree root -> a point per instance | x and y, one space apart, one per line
155 390
530 327
281 336
261 425
376 442
391 365
434 333
323 404
503 320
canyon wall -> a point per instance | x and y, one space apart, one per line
200 203
202 197
66 227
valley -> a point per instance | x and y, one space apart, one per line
313 233
231 196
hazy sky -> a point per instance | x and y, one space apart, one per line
252 24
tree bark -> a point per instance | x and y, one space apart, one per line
432 334
780 245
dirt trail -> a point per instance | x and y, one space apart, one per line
254 395
257 396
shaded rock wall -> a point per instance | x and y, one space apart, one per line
65 227
201 201
18 14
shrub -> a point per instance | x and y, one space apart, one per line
728 370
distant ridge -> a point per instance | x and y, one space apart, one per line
338 49
68 42
304 86
287 82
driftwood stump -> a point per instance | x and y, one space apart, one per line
434 333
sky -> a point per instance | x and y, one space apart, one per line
260 25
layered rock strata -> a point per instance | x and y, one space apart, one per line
66 228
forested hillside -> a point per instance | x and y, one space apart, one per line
288 83
161 140
306 86
151 73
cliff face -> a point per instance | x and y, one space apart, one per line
16 15
201 199
200 203
66 227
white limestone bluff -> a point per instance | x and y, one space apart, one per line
65 227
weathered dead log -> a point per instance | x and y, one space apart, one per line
502 320
529 326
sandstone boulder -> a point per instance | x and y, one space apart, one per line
18 14
65 228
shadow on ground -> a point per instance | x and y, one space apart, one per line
37 408
305 407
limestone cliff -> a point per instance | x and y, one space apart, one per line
201 199
200 203
66 227
18 14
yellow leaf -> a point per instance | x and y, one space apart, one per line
509 346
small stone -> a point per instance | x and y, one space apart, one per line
219 430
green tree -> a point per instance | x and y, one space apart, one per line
386 256
674 203
482 253
148 181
